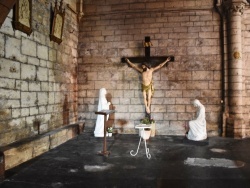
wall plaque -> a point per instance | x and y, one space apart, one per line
57 24
22 16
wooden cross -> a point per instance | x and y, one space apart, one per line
153 61
147 59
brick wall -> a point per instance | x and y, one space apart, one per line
189 30
36 74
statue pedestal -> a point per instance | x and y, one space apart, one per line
144 133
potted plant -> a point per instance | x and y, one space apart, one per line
151 121
110 131
146 120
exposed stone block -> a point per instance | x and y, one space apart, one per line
5 93
42 52
137 116
28 99
42 98
158 108
16 113
34 111
170 116
174 4
197 85
119 7
183 116
22 85
136 108
15 53
7 27
28 47
28 72
9 68
2 41
33 61
7 83
39 37
52 55
175 108
24 112
34 86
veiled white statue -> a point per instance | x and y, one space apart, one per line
197 128
103 104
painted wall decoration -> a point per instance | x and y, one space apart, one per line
23 16
57 23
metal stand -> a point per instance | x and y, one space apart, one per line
105 113
142 128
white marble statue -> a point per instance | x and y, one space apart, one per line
197 128
103 104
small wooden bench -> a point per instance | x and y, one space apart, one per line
21 151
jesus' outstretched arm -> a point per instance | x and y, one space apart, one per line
162 64
133 65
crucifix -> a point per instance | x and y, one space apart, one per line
149 65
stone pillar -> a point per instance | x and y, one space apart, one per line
235 122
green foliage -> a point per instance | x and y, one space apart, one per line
146 120
110 130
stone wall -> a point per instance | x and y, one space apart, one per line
188 30
37 76
246 69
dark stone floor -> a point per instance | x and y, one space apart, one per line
76 164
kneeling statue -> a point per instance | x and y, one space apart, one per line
196 129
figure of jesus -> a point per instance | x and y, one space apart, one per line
147 80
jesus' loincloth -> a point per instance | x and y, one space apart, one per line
148 87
